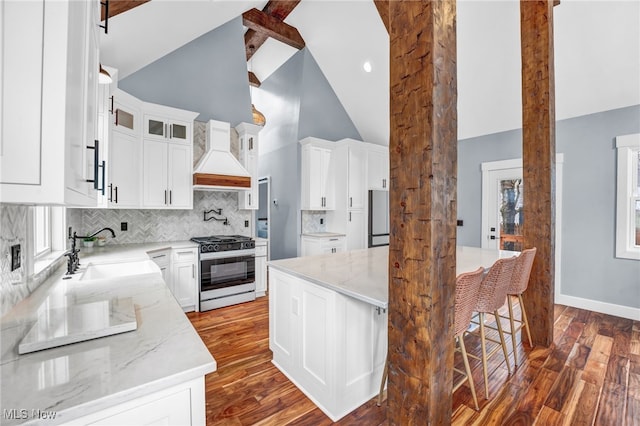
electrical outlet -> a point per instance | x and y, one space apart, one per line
15 257
460 222
123 226
246 223
321 221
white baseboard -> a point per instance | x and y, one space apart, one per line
597 306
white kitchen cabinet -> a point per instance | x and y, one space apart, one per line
126 112
318 180
332 346
378 167
124 171
105 111
184 277
162 258
315 244
167 128
348 217
183 404
356 230
261 268
248 135
167 175
49 97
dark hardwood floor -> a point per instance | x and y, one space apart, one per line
590 375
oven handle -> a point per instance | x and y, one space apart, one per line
229 253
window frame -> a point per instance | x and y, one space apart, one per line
627 194
42 226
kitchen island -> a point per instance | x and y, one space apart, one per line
328 322
155 372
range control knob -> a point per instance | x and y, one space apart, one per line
210 248
216 247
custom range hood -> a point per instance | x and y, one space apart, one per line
218 169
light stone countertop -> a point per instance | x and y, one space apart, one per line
81 378
363 274
323 234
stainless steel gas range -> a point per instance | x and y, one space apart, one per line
227 270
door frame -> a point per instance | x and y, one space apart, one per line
254 218
516 163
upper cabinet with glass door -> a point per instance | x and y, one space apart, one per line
166 123
126 113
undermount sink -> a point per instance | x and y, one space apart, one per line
97 271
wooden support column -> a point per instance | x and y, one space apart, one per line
539 159
422 252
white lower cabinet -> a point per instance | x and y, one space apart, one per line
315 245
162 258
183 404
261 269
179 268
184 277
333 347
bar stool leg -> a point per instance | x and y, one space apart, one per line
513 330
384 379
463 350
504 344
525 320
483 344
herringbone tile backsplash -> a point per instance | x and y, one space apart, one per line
165 225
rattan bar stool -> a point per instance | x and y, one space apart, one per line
519 283
492 295
467 289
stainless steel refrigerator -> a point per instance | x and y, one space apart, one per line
378 218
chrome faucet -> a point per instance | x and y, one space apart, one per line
74 261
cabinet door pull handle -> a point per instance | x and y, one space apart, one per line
193 270
349 216
104 170
350 201
158 256
170 197
116 190
165 196
111 110
96 162
116 122
105 3
170 131
250 144
110 192
249 199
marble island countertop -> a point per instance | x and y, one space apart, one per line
363 274
81 378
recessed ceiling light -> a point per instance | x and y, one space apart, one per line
367 66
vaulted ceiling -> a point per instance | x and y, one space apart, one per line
597 54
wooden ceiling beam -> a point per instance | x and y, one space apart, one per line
279 9
272 27
253 80
383 10
117 7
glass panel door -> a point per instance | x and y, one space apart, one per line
511 200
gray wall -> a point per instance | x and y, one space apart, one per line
589 267
298 102
207 75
